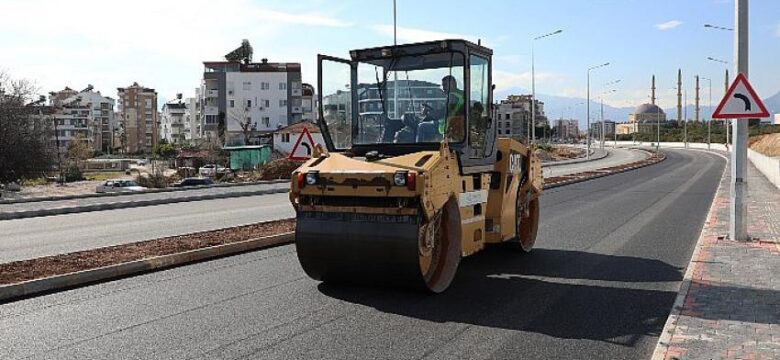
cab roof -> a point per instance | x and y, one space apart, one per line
421 48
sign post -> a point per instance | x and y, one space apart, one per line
740 102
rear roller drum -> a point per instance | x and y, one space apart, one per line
526 221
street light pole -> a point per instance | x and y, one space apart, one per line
533 84
709 122
739 185
587 129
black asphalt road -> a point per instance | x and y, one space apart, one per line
609 259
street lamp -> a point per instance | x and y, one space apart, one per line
603 127
533 84
718 27
709 122
588 105
726 122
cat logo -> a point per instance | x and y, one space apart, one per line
515 163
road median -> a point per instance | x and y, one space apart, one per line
26 278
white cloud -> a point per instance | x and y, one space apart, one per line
418 35
160 44
668 25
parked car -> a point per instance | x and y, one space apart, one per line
119 185
194 181
211 170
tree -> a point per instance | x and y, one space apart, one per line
243 118
79 148
164 150
25 126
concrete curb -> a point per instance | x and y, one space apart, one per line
13 292
579 180
150 191
671 322
131 204
576 161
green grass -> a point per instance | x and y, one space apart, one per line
34 182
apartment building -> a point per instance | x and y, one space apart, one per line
308 103
566 129
86 114
174 122
139 118
257 97
513 116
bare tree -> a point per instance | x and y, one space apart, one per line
242 117
25 126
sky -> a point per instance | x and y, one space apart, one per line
161 44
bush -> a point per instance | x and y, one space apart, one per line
73 173
152 181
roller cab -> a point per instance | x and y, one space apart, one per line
412 177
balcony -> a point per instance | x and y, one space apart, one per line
297 110
296 92
212 93
210 110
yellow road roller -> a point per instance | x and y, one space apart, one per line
413 175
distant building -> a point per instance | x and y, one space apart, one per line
193 127
597 126
308 103
513 116
86 113
777 119
139 117
286 138
173 126
265 96
645 117
566 129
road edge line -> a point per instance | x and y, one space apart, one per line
662 346
17 291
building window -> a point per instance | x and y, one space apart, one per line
265 86
232 103
267 103
266 121
249 103
285 138
506 124
282 103
282 86
247 85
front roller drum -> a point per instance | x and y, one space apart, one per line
370 249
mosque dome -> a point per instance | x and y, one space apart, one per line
648 109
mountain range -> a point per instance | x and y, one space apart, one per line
556 107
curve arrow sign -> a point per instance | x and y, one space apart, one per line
740 102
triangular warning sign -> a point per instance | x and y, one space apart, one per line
303 147
740 101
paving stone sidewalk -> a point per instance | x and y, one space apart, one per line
732 306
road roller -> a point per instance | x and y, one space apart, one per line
413 174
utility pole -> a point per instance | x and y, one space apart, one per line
685 118
587 107
727 123
739 186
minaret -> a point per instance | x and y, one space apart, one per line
652 91
697 99
726 84
679 96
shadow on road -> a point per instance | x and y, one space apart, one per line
540 292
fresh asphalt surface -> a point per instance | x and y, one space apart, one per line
29 238
600 283
49 235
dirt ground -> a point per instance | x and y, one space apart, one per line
768 144
91 259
